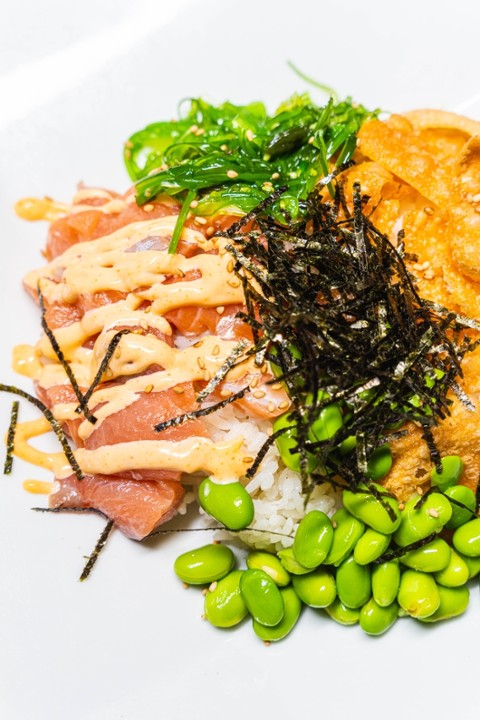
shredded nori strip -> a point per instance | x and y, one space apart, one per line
7 468
401 551
56 427
332 303
101 370
180 419
97 550
62 360
222 371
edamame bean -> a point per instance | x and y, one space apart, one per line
347 530
453 602
290 563
419 522
366 507
385 582
375 619
418 594
354 585
224 605
456 573
370 546
327 424
313 539
269 563
432 557
342 614
473 564
379 463
205 564
347 445
229 503
287 444
466 538
460 515
452 467
292 609
317 589
262 597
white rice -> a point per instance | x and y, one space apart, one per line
276 490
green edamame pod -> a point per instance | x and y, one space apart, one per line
262 597
327 424
427 518
342 614
370 546
354 585
205 564
466 538
379 463
453 602
269 563
290 563
229 503
292 609
224 605
385 582
346 533
461 515
375 619
313 539
418 594
432 557
366 507
473 564
317 589
452 468
456 573
287 444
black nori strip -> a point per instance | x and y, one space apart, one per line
222 371
7 468
101 370
61 359
400 551
180 419
56 427
97 550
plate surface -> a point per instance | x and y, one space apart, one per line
130 643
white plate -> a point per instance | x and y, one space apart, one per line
129 643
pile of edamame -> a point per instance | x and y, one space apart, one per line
373 561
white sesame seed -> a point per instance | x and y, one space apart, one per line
232 174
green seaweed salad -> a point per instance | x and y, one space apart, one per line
231 157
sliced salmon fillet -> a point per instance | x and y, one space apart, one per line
136 507
192 321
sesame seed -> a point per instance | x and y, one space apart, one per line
284 404
128 144
149 388
210 230
224 148
249 135
275 176
194 204
128 153
198 344
117 353
200 131
201 220
254 382
230 266
417 266
429 275
419 490
193 128
178 389
225 392
206 376
204 591
271 407
213 586
433 513
232 174
220 309
248 459
234 282
259 394
401 506
186 586
276 386
311 140
334 524
201 363
267 643
428 210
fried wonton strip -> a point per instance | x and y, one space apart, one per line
443 120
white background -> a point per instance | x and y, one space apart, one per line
75 80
